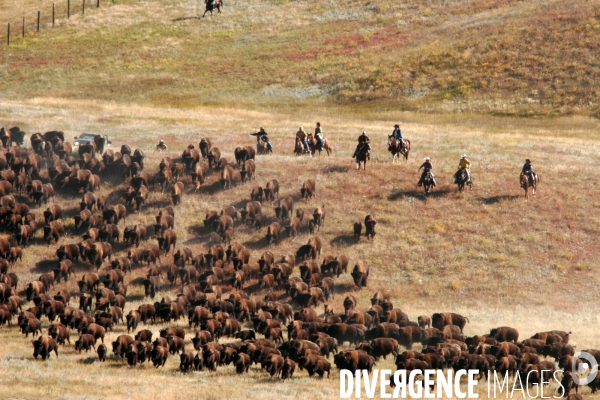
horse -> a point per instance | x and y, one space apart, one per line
211 5
395 148
313 146
262 148
527 183
161 147
361 156
463 179
428 182
299 148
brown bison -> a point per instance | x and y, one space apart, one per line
439 320
370 226
360 274
271 189
273 232
308 189
177 192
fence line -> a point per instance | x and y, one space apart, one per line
45 19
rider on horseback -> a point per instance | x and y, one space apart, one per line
397 133
528 170
465 164
363 140
161 145
427 167
302 136
319 136
262 135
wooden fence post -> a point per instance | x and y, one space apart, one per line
52 14
23 27
39 17
8 36
68 8
83 8
98 5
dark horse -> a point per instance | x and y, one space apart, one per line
361 156
211 5
529 182
428 182
463 179
395 148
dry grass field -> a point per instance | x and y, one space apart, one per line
487 253
502 57
459 76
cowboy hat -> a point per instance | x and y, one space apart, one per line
463 156
427 158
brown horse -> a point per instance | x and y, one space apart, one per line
526 183
395 148
312 144
299 148
361 156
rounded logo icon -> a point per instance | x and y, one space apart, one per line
587 359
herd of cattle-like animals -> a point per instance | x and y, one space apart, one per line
215 284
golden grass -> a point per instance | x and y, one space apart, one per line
485 56
487 253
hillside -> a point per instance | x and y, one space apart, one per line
487 253
484 56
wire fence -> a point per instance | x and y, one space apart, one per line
47 17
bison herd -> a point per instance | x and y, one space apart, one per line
218 288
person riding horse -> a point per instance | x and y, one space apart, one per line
363 140
465 164
397 133
262 135
427 168
301 134
319 136
528 170
161 146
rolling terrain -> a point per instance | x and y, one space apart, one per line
459 76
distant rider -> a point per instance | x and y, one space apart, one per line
397 133
528 170
319 136
363 139
262 135
161 146
427 167
465 164
302 136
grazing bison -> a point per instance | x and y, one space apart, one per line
439 320
256 194
273 232
271 189
53 231
168 240
248 171
44 346
504 334
284 208
360 274
370 226
308 189
177 192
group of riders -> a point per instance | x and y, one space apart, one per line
364 148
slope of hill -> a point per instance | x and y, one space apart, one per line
484 56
